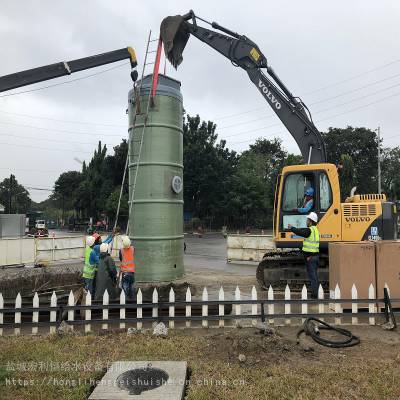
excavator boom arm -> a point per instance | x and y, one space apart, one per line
244 53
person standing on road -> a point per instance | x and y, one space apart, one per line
127 258
106 277
310 250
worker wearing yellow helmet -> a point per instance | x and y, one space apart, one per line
310 250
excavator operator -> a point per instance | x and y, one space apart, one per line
308 202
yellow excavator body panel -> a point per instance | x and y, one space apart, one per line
360 218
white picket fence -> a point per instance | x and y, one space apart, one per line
276 310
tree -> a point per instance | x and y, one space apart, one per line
390 167
65 190
111 205
252 186
361 144
248 200
13 196
96 184
207 167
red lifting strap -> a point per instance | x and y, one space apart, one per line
156 69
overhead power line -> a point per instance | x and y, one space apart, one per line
327 118
54 140
358 98
225 137
57 130
319 111
64 82
238 133
46 148
319 89
45 171
354 77
217 118
62 120
355 90
35 188
271 115
360 107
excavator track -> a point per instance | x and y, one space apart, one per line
281 267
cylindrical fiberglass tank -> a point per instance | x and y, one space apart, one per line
156 221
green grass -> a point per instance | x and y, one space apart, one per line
273 368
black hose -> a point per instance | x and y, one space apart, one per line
311 328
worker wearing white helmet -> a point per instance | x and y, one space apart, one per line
127 267
310 250
89 268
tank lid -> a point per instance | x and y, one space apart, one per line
166 86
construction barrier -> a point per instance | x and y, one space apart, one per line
248 247
28 317
17 251
50 249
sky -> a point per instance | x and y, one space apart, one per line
341 57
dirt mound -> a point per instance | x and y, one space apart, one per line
256 347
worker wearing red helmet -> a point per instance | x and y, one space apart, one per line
93 258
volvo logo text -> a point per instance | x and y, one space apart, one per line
358 219
269 95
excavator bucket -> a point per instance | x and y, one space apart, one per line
174 35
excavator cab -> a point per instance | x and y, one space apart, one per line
300 190
360 217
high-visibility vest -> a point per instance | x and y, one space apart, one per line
89 270
128 259
311 244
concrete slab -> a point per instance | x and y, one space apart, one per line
147 380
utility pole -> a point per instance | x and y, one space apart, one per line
379 160
9 195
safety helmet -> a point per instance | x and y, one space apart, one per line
313 216
90 241
310 191
126 242
104 248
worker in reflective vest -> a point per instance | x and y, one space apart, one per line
89 269
127 267
310 250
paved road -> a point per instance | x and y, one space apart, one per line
59 233
209 252
206 253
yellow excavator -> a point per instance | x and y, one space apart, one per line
360 217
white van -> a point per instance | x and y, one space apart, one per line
40 224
